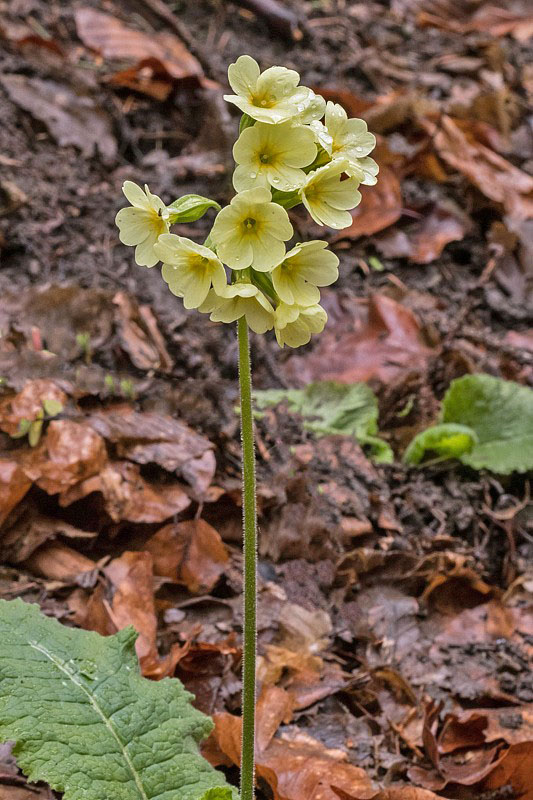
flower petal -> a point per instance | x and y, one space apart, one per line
243 75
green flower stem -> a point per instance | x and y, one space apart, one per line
249 518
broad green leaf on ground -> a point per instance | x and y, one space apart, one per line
85 721
328 407
447 440
498 413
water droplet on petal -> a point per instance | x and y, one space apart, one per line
253 175
300 107
275 180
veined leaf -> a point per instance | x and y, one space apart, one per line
500 415
328 407
84 720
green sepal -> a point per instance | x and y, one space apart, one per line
286 199
190 207
246 122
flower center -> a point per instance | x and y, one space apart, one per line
263 101
264 158
249 223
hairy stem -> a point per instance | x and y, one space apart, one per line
249 518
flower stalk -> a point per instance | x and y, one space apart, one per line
285 156
249 518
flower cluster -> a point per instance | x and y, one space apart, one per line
293 148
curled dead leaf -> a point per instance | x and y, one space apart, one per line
190 552
28 403
139 334
497 178
70 452
294 768
149 437
14 484
58 562
378 338
73 118
425 240
380 207
515 769
133 602
127 496
115 40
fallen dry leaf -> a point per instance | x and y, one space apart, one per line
28 403
497 20
60 313
139 335
515 769
379 338
115 40
425 240
71 117
476 727
493 175
380 207
149 437
465 771
295 768
127 496
203 667
31 530
189 552
58 562
68 453
14 484
406 793
133 602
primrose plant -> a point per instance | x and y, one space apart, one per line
293 148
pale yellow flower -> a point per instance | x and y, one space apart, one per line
350 141
142 223
273 155
251 231
294 324
271 96
190 269
305 267
314 108
240 300
328 198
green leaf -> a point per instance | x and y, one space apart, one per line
501 413
52 406
334 408
447 440
23 428
190 207
498 413
84 720
34 434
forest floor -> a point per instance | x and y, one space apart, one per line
395 623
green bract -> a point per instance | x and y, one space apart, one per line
85 721
293 149
190 208
486 422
